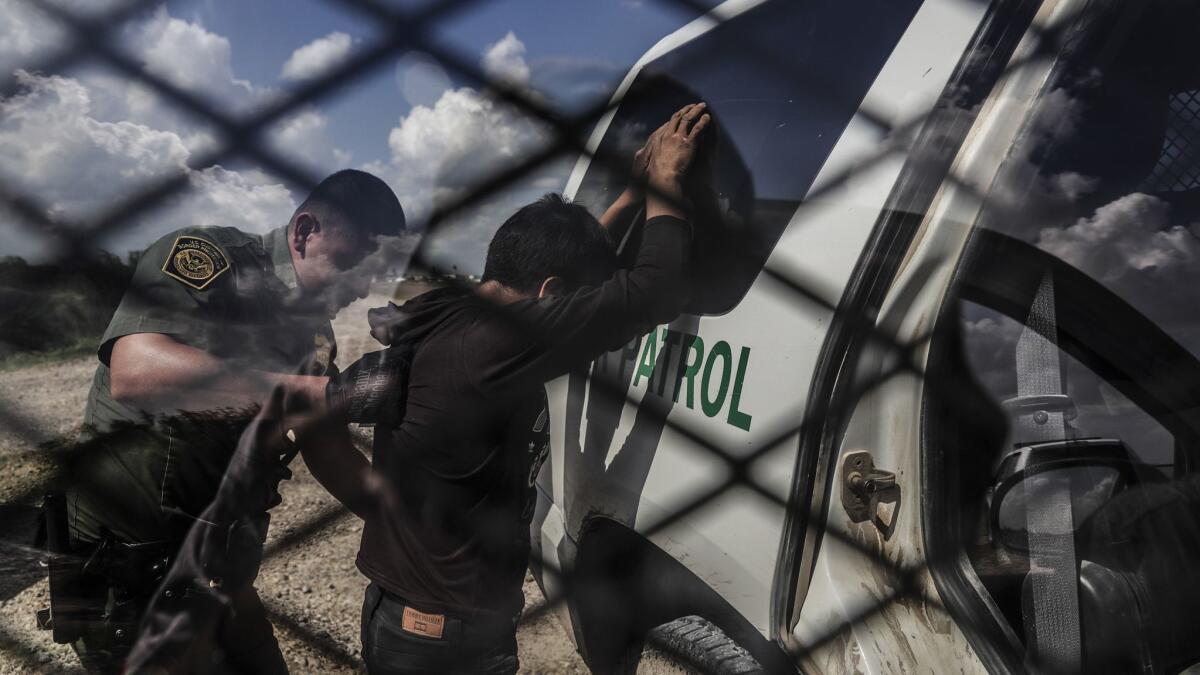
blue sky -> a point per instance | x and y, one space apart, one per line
78 142
571 44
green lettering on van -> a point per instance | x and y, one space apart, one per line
712 406
736 417
689 368
682 357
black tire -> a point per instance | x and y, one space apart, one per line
629 660
703 646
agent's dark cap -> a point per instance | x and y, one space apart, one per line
363 199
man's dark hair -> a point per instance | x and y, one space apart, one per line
360 200
550 237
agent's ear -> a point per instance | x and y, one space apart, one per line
306 225
552 286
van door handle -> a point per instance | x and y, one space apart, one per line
865 487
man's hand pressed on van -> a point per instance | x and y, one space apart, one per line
674 147
683 130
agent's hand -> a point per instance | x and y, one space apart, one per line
673 148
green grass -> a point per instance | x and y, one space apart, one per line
81 347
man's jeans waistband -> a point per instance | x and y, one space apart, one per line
466 646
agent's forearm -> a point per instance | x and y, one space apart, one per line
155 373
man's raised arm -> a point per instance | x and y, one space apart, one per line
549 336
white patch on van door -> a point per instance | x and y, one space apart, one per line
625 426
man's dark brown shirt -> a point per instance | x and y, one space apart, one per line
451 529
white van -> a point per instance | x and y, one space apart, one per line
936 402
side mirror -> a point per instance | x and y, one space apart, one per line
1091 471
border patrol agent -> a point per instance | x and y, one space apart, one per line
213 319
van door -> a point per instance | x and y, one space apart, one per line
1067 530
698 450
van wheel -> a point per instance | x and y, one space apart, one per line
703 646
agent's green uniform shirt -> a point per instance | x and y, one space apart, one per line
225 292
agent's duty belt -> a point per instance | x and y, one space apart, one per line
90 581
136 568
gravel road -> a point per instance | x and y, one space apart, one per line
310 587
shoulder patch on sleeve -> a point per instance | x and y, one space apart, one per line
195 261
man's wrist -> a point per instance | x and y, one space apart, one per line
669 184
665 200
668 199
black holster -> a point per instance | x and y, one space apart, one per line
72 602
100 588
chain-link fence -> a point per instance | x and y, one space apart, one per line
1009 40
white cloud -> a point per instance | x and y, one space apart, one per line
78 166
74 163
505 61
302 138
1134 245
1026 193
183 53
25 34
188 56
194 59
317 57
1137 248
83 143
990 339
247 200
439 151
1132 235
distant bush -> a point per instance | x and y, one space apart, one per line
47 309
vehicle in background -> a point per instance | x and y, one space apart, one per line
936 399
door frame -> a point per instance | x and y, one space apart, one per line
942 134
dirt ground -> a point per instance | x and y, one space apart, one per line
310 587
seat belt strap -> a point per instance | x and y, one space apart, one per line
1055 636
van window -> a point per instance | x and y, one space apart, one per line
779 112
1076 468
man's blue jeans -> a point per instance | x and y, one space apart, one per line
463 648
